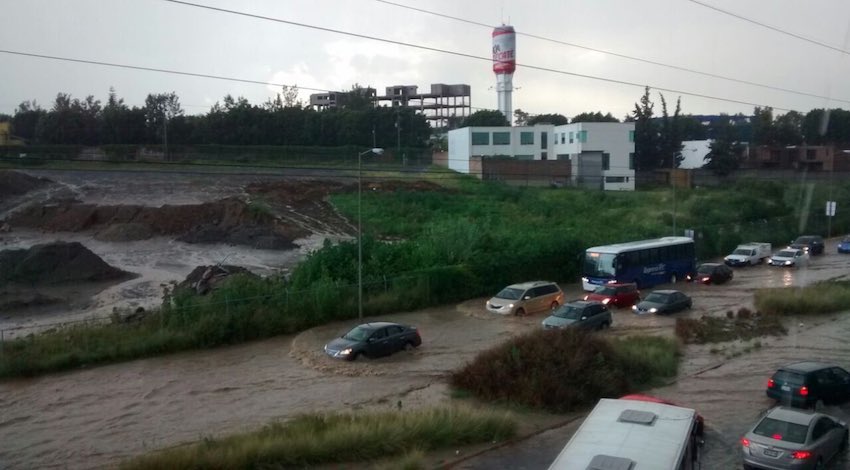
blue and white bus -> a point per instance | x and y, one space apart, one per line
646 262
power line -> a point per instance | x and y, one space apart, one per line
617 54
467 55
772 28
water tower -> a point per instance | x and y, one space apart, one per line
504 64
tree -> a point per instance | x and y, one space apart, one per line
359 98
485 117
789 128
554 119
764 131
594 117
159 109
646 135
691 128
520 117
725 150
670 142
25 120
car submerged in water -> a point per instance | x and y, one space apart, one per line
374 340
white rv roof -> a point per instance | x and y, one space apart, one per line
656 446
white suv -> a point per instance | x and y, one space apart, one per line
526 298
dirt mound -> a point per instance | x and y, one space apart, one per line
205 278
226 221
55 263
13 183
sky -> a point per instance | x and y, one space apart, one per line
682 33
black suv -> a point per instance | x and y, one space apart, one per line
804 384
811 243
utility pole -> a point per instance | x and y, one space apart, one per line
165 132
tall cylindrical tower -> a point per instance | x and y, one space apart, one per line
504 64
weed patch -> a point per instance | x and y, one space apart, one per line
315 439
562 370
745 325
822 297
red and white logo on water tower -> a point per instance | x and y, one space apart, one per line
504 50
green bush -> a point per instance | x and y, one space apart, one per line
823 297
563 370
315 439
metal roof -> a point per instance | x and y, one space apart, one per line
657 446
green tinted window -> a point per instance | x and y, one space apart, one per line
526 138
501 138
480 138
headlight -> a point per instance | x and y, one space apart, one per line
653 310
586 296
604 301
510 305
345 352
634 307
584 279
612 281
788 263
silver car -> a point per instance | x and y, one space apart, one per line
791 257
794 439
526 298
588 314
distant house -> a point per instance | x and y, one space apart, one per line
591 154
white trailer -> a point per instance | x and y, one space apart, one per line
633 435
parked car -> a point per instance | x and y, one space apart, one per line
789 257
650 398
793 439
748 254
806 383
663 301
713 273
813 244
616 295
588 314
526 298
374 340
844 245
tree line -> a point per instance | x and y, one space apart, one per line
282 120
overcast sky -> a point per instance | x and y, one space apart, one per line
159 34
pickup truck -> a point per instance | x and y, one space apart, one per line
748 254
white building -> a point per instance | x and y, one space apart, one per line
601 153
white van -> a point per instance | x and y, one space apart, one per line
633 435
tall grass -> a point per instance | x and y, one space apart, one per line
337 437
823 297
562 370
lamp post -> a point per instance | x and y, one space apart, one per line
376 151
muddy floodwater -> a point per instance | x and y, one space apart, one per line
99 416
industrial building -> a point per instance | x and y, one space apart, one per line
443 103
600 154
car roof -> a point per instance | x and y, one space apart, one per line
806 366
529 284
711 265
792 415
583 303
618 284
809 237
379 324
664 291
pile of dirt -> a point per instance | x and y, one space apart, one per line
202 279
228 220
55 263
13 183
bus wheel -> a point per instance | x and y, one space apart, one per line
673 279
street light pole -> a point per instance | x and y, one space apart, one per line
376 151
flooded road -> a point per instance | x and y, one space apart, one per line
96 417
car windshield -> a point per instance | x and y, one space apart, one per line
786 254
599 264
570 312
657 298
358 333
742 251
604 290
804 240
782 430
705 269
510 293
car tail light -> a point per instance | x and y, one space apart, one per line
804 391
586 296
770 383
801 454
745 442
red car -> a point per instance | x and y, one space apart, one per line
638 397
616 295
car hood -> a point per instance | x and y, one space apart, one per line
782 258
339 344
499 302
646 305
799 246
600 297
737 257
552 320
